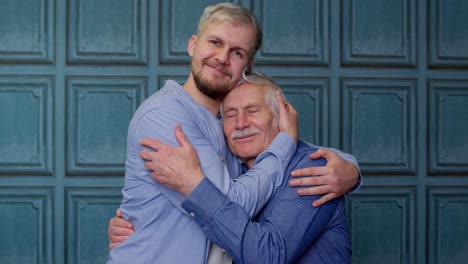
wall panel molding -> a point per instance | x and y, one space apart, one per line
88 213
27 31
389 217
447 215
448 126
26 125
378 124
26 225
303 40
448 33
99 112
309 96
100 33
379 33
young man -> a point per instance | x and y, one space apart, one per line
223 48
288 229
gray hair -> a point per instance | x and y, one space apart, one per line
232 13
272 88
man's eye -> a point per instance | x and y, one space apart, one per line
215 42
230 115
237 53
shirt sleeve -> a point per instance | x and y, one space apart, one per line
251 191
347 157
283 233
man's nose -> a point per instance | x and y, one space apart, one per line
242 121
223 56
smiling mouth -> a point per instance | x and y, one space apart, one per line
218 69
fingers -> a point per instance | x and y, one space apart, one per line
146 155
287 117
148 142
280 98
324 199
181 137
119 230
310 171
316 190
115 225
307 181
118 213
113 245
320 153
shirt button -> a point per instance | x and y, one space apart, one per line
222 157
192 214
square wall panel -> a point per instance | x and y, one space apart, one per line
26 125
310 99
27 31
379 32
378 124
448 229
448 123
293 33
448 33
382 224
26 235
99 112
88 214
107 31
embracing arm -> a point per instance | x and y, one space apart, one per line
340 176
282 234
179 168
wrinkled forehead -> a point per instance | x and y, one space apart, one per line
245 93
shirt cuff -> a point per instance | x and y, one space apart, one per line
204 201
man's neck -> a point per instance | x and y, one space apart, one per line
209 103
249 162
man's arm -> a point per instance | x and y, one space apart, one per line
340 176
286 228
118 230
179 168
253 189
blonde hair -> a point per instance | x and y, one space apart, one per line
232 13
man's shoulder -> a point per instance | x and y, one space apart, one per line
302 159
171 98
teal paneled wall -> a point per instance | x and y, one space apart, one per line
384 80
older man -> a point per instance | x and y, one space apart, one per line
288 229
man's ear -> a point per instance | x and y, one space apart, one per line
249 67
191 45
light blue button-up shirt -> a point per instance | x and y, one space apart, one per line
164 232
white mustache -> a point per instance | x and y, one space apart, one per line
246 132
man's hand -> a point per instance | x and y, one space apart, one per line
287 117
119 230
333 180
175 167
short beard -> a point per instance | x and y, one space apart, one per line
208 89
